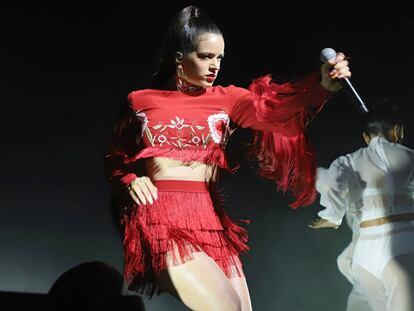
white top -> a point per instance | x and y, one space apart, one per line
373 182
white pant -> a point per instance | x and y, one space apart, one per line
395 290
377 245
356 299
383 266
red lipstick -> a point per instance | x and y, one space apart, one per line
210 78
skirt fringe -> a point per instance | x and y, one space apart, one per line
182 221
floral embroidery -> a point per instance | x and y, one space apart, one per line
218 124
181 134
175 132
178 123
196 140
162 139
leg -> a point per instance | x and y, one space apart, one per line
399 281
372 288
357 301
201 285
344 262
240 286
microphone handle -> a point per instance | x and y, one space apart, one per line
361 104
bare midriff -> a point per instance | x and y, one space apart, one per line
386 220
160 168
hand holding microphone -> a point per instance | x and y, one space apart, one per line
336 74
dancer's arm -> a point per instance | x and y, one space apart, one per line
335 186
319 223
124 143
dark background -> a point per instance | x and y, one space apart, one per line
65 69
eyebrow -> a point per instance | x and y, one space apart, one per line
211 54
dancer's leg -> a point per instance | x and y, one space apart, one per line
372 288
201 285
398 278
240 285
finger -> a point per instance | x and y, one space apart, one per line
344 72
341 64
134 197
147 193
332 61
152 189
340 57
140 195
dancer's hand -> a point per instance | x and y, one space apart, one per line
333 70
322 223
142 190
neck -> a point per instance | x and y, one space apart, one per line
185 86
387 138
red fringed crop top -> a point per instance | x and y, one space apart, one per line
195 127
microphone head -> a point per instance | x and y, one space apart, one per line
327 54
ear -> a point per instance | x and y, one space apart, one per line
178 58
397 133
366 137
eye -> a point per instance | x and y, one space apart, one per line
204 56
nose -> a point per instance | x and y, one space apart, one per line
215 65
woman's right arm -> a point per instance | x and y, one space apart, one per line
125 142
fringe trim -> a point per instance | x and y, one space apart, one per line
288 158
214 156
178 224
290 162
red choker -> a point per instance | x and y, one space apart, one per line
185 86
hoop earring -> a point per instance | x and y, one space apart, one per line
181 72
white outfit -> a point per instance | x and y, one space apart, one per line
356 299
374 182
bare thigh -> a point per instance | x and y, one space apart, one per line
201 285
372 288
395 289
398 277
240 286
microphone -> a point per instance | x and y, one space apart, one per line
326 55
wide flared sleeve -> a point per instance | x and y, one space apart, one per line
125 142
279 114
338 187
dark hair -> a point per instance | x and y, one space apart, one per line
182 35
381 118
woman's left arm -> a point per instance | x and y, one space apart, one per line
288 107
279 114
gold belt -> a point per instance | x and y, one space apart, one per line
386 220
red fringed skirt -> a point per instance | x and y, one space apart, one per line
182 221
